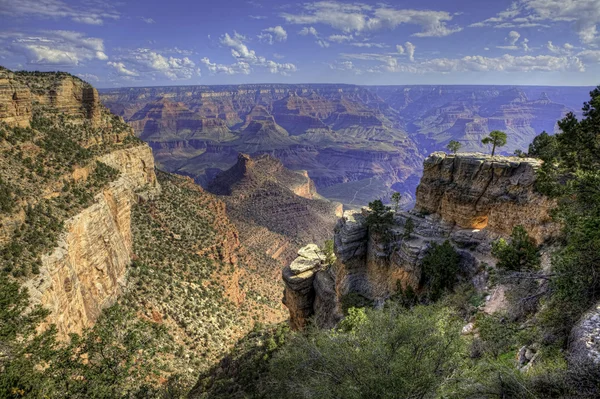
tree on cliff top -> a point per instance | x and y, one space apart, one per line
496 139
453 146
379 217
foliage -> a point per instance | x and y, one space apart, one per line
396 200
496 138
571 174
327 250
7 203
394 353
114 359
379 217
520 254
243 373
453 146
440 268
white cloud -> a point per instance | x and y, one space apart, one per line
59 47
512 38
592 56
340 38
369 44
122 69
476 63
410 50
148 20
359 17
257 16
311 31
151 63
583 14
399 49
512 42
91 13
308 31
237 68
89 77
274 34
244 55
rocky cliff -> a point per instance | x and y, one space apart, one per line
460 199
72 171
478 191
87 270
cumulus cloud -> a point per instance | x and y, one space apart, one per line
399 49
584 15
274 34
243 55
410 50
308 31
360 17
148 62
237 68
513 37
59 47
92 13
122 69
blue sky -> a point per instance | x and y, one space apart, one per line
180 42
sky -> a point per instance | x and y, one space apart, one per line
190 42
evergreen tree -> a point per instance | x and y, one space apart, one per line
453 146
496 139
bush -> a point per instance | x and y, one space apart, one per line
520 254
440 268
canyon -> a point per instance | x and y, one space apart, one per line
355 142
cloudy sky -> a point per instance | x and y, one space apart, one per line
179 42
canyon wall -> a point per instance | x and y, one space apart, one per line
478 191
87 270
468 199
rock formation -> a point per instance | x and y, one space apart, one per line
477 191
274 207
459 199
61 133
87 271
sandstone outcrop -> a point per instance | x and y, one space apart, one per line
87 271
459 199
478 191
65 93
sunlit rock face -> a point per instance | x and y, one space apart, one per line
86 271
470 200
479 191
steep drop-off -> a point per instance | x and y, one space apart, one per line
472 186
71 171
276 210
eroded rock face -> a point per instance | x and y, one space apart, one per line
87 270
298 277
470 200
479 191
63 92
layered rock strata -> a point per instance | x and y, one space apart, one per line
87 270
478 191
460 199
